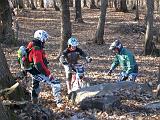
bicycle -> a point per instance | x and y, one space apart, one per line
79 80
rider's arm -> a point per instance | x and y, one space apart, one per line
115 63
82 53
63 57
39 63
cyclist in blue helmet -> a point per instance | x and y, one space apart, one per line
69 57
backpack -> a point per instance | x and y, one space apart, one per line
22 55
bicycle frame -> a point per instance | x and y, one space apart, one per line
78 76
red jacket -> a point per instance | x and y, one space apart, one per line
37 57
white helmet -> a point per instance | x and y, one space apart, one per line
73 42
41 35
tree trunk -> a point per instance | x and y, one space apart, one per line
1 29
159 7
149 31
55 6
78 17
116 5
41 4
32 5
20 4
101 23
4 113
66 30
137 10
7 33
123 6
91 4
83 3
6 79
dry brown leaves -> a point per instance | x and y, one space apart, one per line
117 24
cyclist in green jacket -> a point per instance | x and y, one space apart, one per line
126 60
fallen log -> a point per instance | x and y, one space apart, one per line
8 91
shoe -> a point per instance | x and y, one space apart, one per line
35 100
69 91
72 96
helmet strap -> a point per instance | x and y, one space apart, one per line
69 46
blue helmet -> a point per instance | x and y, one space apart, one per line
73 41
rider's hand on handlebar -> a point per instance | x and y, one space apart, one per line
124 76
65 63
51 77
88 59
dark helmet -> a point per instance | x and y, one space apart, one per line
116 44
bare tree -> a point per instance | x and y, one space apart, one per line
137 10
78 17
149 31
66 30
56 7
159 7
116 5
20 4
32 5
4 113
6 33
123 6
90 4
6 78
101 23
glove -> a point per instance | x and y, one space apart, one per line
88 59
51 77
65 63
124 77
109 72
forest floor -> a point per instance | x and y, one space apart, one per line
118 24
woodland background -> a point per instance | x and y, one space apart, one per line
96 24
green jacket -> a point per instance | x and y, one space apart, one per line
126 60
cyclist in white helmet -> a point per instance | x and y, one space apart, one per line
39 68
69 57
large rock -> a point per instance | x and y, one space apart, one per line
111 89
104 103
152 106
105 96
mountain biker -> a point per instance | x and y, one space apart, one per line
126 60
38 67
70 57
